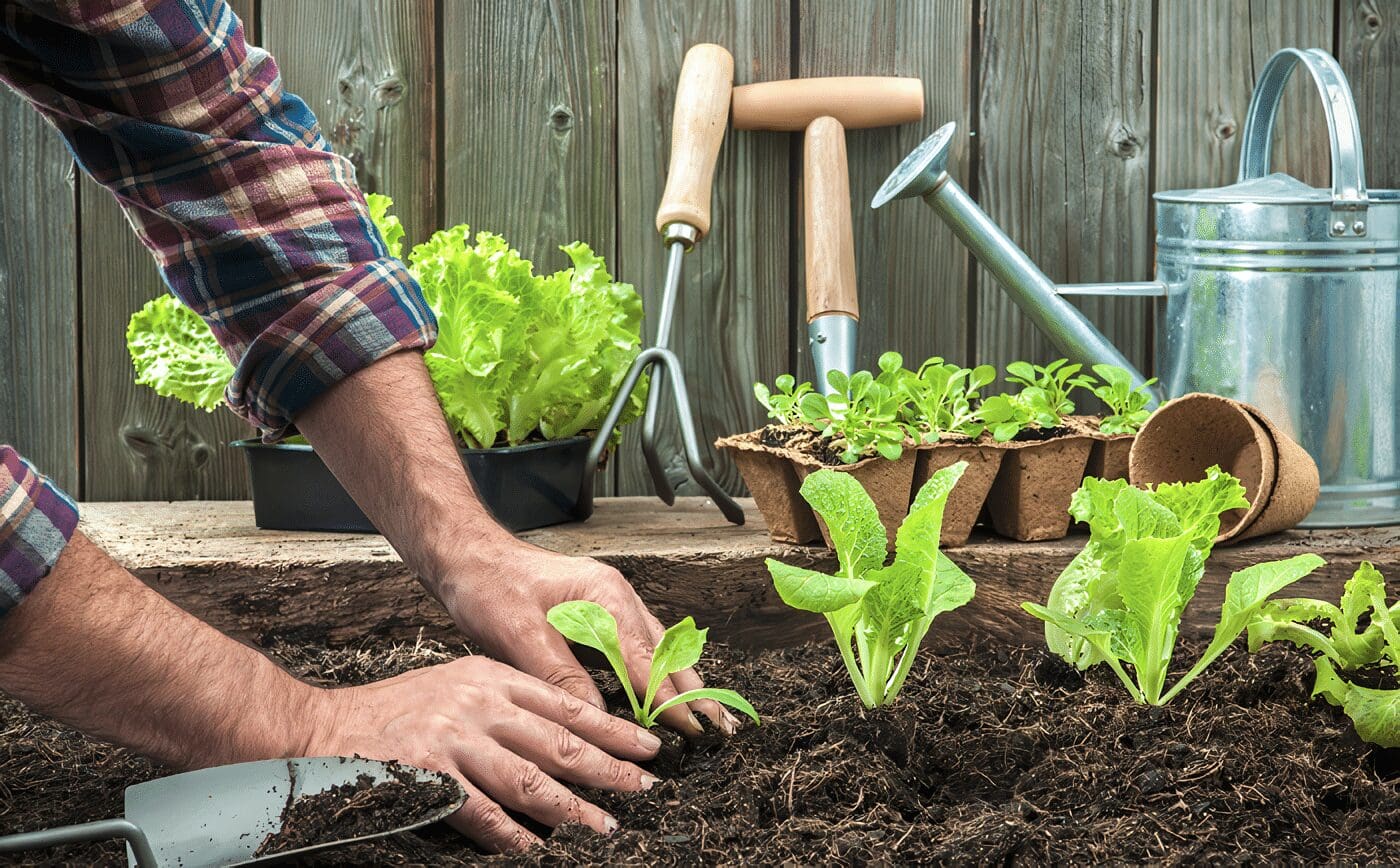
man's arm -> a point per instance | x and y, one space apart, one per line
95 648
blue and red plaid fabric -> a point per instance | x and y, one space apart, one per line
36 522
253 221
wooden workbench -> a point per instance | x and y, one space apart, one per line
684 560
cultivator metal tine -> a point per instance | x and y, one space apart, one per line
653 458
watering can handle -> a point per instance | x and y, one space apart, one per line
1349 199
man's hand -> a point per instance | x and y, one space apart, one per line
382 433
508 737
501 605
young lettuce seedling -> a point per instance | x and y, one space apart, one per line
938 399
1007 415
1053 383
1127 406
861 417
878 613
1121 599
588 623
781 403
1347 645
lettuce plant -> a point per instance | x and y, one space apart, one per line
1360 632
861 417
1127 406
1053 383
1006 415
589 624
782 400
1121 599
175 353
389 225
938 399
878 612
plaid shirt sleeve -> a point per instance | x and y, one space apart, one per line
36 522
254 222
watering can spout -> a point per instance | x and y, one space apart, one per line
924 173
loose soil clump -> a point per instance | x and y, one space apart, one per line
991 755
358 810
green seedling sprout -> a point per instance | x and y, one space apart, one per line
861 416
782 401
938 399
1121 599
587 623
878 612
1360 632
1127 406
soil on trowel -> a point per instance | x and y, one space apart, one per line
991 755
359 809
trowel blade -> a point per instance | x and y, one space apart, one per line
219 816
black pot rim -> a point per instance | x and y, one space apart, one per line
498 450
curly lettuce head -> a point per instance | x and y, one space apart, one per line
175 353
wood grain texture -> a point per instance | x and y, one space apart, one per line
683 560
1368 42
827 238
1065 139
733 306
911 272
38 304
1208 57
367 69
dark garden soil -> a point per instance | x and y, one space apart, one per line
800 438
360 809
991 755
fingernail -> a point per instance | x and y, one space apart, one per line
649 781
598 703
609 824
648 740
695 723
728 724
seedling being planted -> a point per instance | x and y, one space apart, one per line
878 612
1360 633
1127 406
589 624
1121 599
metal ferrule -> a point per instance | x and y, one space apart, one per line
832 338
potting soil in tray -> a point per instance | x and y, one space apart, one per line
990 755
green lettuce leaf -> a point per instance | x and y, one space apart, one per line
175 353
389 226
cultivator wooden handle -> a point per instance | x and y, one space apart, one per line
857 102
697 128
830 246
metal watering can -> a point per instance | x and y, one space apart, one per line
1268 291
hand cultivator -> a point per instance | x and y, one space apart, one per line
702 111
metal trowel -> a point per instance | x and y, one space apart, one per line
219 816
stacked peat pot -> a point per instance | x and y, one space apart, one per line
1026 452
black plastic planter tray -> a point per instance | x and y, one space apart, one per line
535 485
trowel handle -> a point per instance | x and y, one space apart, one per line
697 128
829 243
98 830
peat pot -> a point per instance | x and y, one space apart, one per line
528 486
1270 292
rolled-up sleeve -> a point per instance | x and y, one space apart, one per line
254 222
36 522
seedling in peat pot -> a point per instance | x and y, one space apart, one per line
781 402
1121 599
938 399
878 613
588 623
1127 406
1347 645
861 417
1055 380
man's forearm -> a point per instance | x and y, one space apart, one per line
382 433
95 648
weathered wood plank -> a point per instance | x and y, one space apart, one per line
38 295
135 443
367 69
685 560
1065 137
912 272
733 309
529 128
1208 57
1369 51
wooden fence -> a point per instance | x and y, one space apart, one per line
549 121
